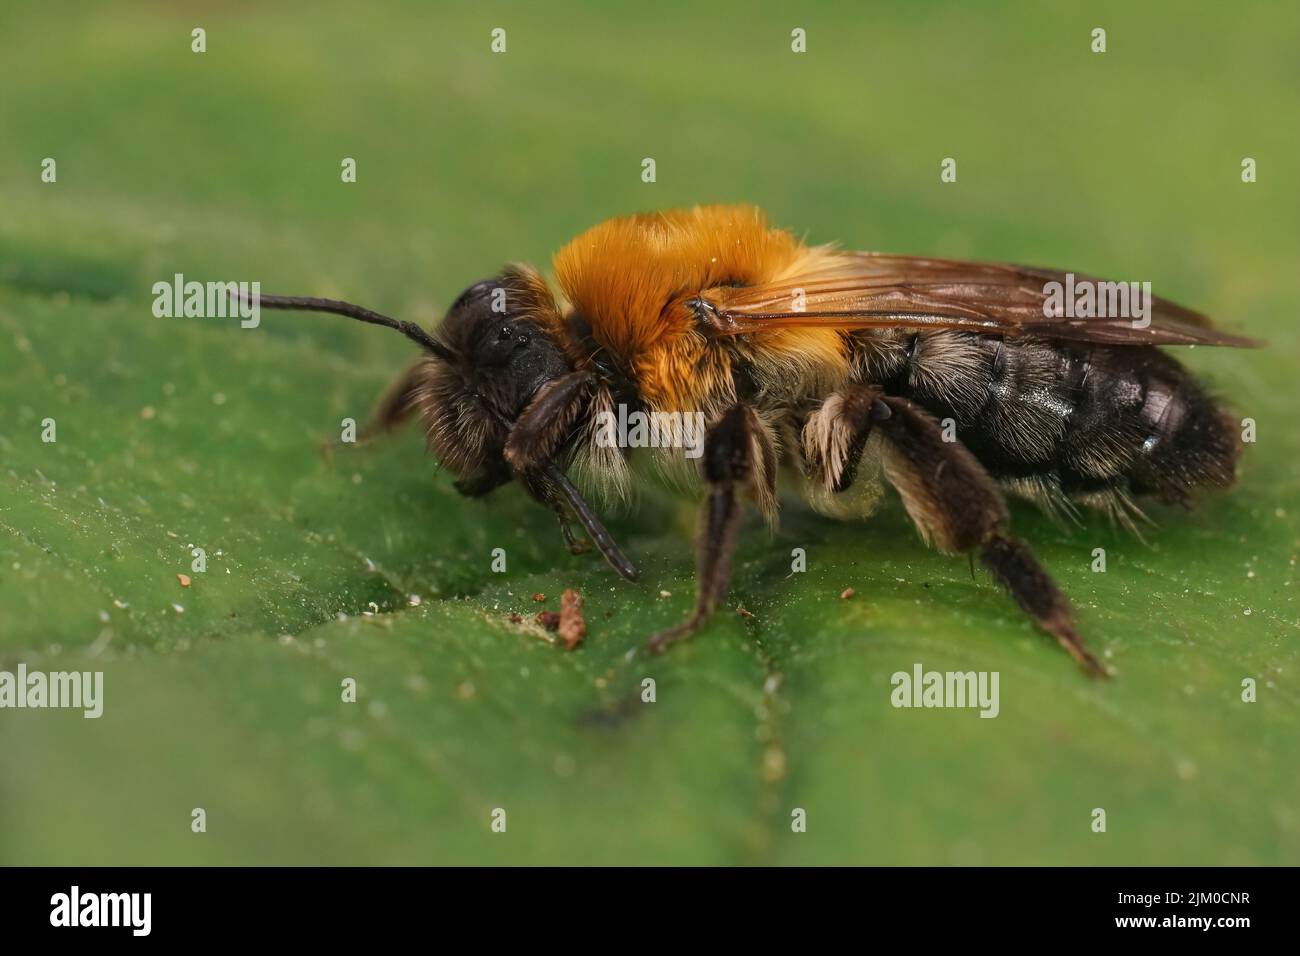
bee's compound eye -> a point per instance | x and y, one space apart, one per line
505 333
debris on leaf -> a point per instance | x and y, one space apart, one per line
516 617
184 579
572 626
847 593
539 597
549 620
744 613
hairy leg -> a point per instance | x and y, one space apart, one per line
543 428
737 454
537 438
956 506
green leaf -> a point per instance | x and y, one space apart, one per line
176 434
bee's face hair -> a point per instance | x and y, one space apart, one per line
499 352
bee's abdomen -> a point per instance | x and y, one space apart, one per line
1095 423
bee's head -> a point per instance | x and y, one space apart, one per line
496 351
493 353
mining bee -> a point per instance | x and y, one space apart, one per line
840 371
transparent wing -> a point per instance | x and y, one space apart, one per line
870 290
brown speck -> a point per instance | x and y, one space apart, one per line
184 579
549 620
847 593
744 613
572 626
147 412
465 690
539 597
516 618
772 768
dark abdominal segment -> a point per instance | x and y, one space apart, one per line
1060 421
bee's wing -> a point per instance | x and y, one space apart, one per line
869 290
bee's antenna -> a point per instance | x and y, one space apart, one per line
308 304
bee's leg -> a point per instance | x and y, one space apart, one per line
536 439
542 429
834 436
955 503
737 452
573 543
548 485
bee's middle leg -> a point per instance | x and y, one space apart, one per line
738 454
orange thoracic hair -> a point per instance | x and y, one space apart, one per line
630 277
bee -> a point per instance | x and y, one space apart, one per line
840 372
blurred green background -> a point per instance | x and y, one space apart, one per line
192 432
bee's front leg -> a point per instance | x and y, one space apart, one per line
575 544
537 439
737 453
542 430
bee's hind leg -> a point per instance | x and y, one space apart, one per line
955 503
737 454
